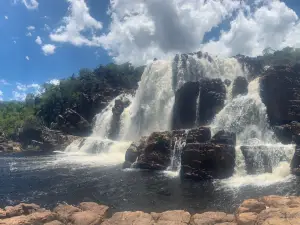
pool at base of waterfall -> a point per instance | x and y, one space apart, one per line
56 178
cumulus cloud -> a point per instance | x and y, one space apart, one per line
29 34
78 27
27 58
142 30
48 49
6 17
23 89
38 40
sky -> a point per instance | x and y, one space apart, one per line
42 41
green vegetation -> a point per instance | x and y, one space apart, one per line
78 92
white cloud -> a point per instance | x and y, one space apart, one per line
79 27
23 89
272 24
15 42
48 49
47 27
31 28
54 82
27 58
29 34
6 17
4 82
38 40
31 4
1 95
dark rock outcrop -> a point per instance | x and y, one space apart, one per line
207 161
254 66
212 99
224 137
38 137
184 110
198 135
288 133
117 110
239 87
72 123
295 164
280 92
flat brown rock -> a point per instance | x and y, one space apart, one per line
85 218
22 209
208 218
175 217
64 212
36 218
248 218
2 214
101 210
251 205
130 218
55 222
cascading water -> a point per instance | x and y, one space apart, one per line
247 117
151 110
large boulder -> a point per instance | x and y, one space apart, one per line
280 88
212 99
157 151
198 135
239 86
73 123
207 161
8 146
210 159
288 133
184 110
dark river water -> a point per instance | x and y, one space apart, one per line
51 179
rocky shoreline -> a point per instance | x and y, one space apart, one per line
268 210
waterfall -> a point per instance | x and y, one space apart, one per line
247 117
151 110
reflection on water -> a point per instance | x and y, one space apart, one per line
49 179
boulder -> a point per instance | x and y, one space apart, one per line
36 218
117 110
54 222
184 110
65 212
73 123
224 137
178 217
280 88
157 151
130 218
213 218
100 210
239 87
198 135
207 161
212 99
22 209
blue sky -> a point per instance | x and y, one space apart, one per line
46 40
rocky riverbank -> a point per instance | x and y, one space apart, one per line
268 210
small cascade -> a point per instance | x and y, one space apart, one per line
197 121
259 157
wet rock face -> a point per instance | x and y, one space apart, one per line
184 111
288 133
239 87
212 99
120 105
207 161
295 164
280 88
73 123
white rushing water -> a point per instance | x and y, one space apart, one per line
151 110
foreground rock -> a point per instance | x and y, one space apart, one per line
201 156
268 210
8 146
